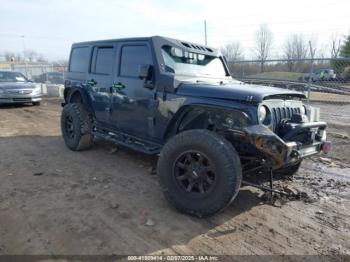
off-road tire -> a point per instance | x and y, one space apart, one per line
81 127
36 103
288 171
227 165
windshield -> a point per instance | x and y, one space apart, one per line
12 77
182 62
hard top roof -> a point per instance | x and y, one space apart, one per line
160 40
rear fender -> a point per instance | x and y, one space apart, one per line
71 96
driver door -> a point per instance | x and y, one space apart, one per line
133 105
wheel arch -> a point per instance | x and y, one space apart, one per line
77 95
205 117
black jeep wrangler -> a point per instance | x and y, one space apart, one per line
177 99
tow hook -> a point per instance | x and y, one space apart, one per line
326 146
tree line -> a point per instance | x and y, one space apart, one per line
296 46
28 55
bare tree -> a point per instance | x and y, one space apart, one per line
335 45
41 58
13 57
232 51
313 43
19 58
288 53
263 44
31 55
295 48
9 56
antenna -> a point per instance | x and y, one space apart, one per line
205 33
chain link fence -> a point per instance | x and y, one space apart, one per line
39 73
319 74
49 76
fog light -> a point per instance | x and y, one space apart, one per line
326 146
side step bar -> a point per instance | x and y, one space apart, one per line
131 142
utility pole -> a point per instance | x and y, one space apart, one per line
23 47
24 55
205 33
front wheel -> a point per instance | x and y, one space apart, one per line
200 172
76 126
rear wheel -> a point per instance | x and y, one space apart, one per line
200 172
76 126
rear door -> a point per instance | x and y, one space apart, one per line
100 80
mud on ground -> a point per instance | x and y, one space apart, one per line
107 200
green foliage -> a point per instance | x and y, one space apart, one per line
279 75
345 49
340 66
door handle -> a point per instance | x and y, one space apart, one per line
90 82
117 86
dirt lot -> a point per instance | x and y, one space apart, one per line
107 201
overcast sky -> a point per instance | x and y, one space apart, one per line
50 27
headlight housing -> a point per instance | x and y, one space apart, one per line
37 89
264 115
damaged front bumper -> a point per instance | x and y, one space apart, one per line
283 152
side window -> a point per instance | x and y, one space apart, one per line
102 61
132 57
79 59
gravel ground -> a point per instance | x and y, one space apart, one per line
107 200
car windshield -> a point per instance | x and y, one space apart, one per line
12 77
182 62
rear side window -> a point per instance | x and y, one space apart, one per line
79 59
102 62
132 57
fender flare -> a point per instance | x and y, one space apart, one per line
70 92
185 113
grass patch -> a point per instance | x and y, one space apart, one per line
292 76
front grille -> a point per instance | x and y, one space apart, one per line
19 92
24 100
279 113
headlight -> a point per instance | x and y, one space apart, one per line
37 89
262 113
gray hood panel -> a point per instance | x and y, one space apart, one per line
241 92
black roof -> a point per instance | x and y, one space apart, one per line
161 40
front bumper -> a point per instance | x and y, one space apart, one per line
282 153
20 99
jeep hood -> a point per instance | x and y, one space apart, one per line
236 91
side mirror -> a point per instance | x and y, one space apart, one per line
145 72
